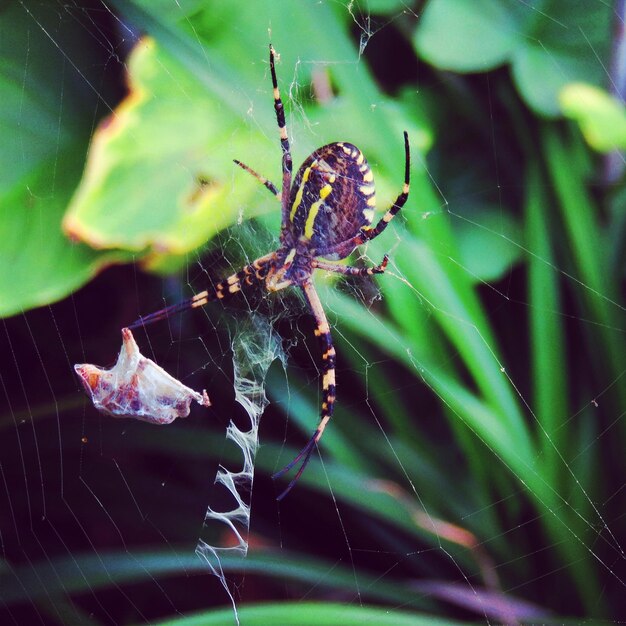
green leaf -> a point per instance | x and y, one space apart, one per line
312 614
40 162
548 43
89 572
466 35
382 7
486 247
151 183
44 266
601 117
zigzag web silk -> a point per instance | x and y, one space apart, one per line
255 347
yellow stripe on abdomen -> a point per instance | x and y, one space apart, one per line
300 192
314 210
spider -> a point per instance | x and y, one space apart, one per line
326 212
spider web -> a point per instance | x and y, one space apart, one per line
102 519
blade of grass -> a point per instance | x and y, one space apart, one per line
89 572
474 411
590 255
549 366
311 614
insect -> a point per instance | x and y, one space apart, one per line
137 387
327 212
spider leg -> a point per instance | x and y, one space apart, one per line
346 247
250 274
328 386
264 181
284 142
371 233
350 270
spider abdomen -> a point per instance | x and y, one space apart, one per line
332 198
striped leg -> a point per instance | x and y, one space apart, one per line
350 270
371 233
268 183
328 386
346 247
255 272
284 142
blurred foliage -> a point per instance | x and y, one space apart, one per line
484 386
45 131
601 116
548 43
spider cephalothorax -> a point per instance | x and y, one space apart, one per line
292 266
326 213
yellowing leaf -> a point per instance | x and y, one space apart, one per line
601 116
